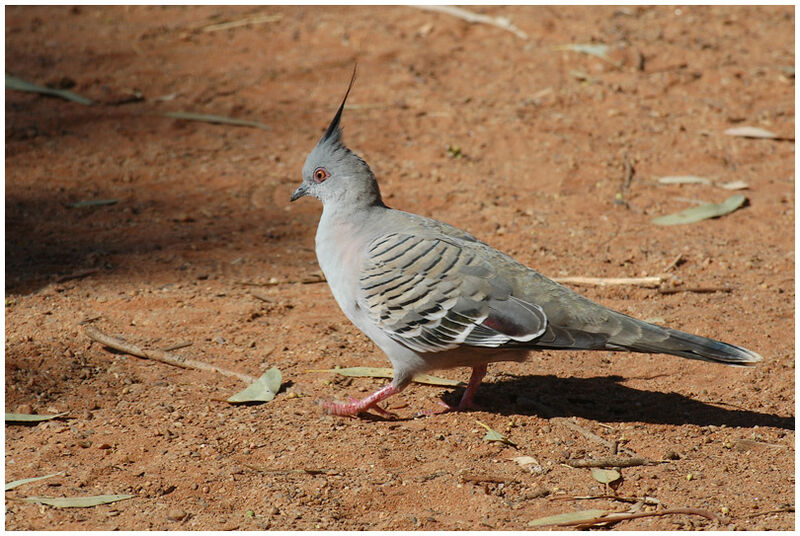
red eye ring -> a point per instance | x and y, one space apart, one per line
320 174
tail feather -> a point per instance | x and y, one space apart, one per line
693 347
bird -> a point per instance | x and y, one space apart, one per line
432 296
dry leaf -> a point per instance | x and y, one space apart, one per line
77 502
605 476
263 389
703 212
570 518
17 483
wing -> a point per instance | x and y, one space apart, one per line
435 294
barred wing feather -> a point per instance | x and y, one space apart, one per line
434 294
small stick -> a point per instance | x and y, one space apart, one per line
646 500
653 281
698 290
611 461
78 274
469 16
674 262
611 445
254 19
160 355
487 478
177 346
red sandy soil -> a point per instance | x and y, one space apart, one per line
559 156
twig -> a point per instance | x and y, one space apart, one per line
611 461
674 262
778 511
78 274
253 19
469 16
160 355
698 290
485 478
653 281
634 500
177 346
611 445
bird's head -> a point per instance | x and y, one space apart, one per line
336 175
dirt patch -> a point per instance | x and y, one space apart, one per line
203 220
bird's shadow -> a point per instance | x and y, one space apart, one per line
605 399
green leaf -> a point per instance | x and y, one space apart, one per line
570 518
25 417
18 84
263 389
702 212
605 476
385 372
216 119
93 203
684 179
77 502
494 435
17 483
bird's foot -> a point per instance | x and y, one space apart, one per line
354 407
447 408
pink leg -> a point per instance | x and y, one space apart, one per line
472 387
466 399
358 406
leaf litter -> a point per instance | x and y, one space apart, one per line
77 502
18 84
702 212
26 417
16 483
263 389
215 119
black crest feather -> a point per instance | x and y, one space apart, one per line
333 133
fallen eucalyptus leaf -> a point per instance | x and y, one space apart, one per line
605 476
77 502
17 483
684 179
569 518
263 389
25 417
494 435
751 132
735 185
216 119
385 372
18 84
703 212
93 203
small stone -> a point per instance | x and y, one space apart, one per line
176 514
25 408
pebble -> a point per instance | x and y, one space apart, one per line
176 514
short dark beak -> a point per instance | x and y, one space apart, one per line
301 191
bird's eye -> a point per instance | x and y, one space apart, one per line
320 174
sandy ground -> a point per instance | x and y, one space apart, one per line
557 160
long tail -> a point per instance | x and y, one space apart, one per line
620 332
692 347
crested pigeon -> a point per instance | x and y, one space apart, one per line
432 296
